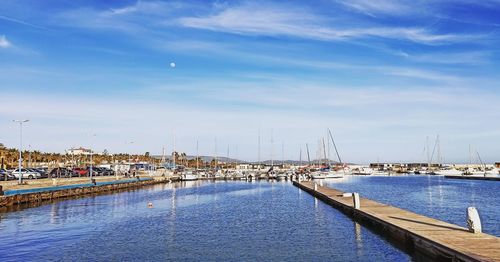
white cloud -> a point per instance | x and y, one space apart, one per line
286 21
454 58
369 7
4 43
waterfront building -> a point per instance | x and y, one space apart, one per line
80 151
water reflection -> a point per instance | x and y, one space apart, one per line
219 221
359 240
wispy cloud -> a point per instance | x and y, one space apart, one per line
373 8
4 43
454 58
18 21
138 17
289 21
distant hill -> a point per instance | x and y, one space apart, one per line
207 159
266 162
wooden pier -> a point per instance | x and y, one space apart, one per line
436 239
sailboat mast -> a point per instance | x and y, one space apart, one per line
335 146
174 153
439 151
300 156
272 143
283 154
308 157
227 157
258 157
197 155
324 151
215 162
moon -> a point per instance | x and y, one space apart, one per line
172 65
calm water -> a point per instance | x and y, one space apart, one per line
224 221
433 196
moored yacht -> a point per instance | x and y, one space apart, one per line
189 176
448 172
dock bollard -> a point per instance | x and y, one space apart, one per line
473 220
355 199
315 187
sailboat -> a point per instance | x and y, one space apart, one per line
327 172
186 175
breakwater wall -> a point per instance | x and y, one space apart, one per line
37 195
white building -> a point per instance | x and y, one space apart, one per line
78 151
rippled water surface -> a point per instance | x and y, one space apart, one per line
434 196
200 221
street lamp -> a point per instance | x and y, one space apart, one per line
20 147
129 160
91 161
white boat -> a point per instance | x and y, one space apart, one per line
281 176
317 175
189 176
326 174
380 173
333 174
448 172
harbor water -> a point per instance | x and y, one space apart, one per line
191 221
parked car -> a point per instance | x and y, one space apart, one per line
80 171
106 171
5 175
61 172
25 173
95 171
43 172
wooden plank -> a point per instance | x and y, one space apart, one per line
453 240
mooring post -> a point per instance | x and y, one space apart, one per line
321 182
315 186
355 199
473 220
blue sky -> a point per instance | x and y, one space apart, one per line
382 75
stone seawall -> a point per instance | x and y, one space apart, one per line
11 200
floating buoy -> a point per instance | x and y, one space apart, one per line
150 205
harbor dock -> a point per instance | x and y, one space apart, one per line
437 239
489 178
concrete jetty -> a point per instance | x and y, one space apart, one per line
439 240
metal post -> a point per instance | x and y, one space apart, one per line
90 169
91 161
473 220
356 201
20 147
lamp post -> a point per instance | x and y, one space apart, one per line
129 160
20 147
91 161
